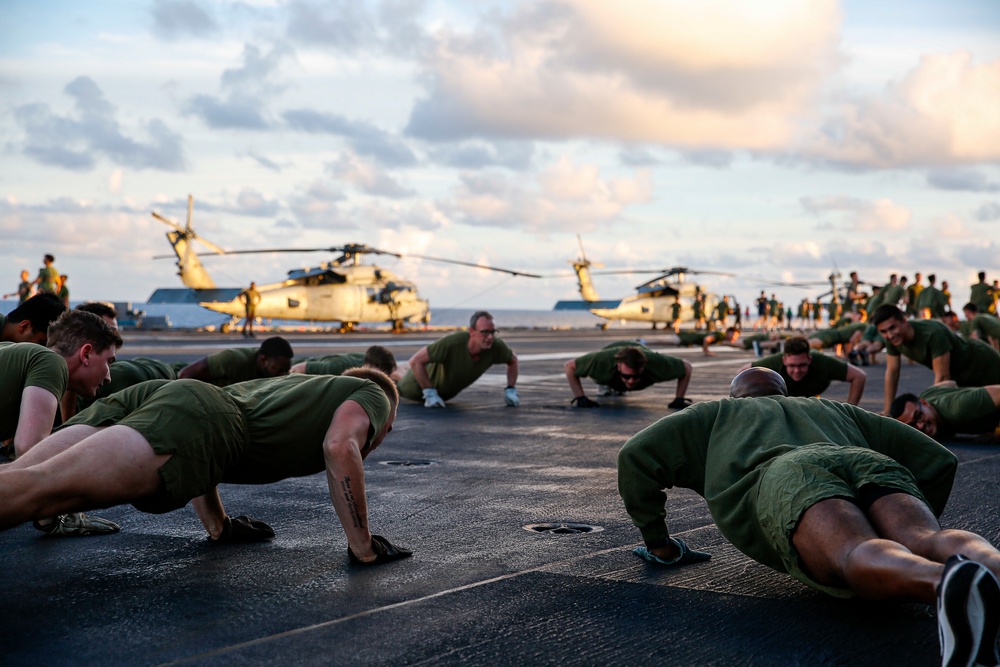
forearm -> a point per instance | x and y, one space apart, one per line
211 512
891 383
67 405
420 374
512 371
857 389
574 382
346 479
942 368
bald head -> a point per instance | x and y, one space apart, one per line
754 382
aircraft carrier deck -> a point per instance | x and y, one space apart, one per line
459 486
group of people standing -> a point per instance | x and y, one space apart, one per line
48 281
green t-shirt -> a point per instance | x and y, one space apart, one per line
287 421
451 368
238 364
27 365
963 409
913 293
721 449
987 326
689 338
891 294
981 294
934 299
602 368
127 372
334 364
973 362
50 278
822 371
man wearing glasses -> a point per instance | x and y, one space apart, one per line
945 409
444 368
626 366
809 373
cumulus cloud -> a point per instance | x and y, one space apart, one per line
245 92
173 19
317 206
988 212
731 75
367 177
515 155
566 196
343 25
364 138
937 114
860 215
971 180
73 141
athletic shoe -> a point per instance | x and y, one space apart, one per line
77 525
968 606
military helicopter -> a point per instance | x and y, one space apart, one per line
342 290
653 300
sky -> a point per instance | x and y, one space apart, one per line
775 141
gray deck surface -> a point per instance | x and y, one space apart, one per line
480 589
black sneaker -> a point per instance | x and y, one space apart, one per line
968 606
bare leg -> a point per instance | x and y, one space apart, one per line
902 518
839 547
111 467
54 444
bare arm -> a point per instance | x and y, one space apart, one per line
196 371
345 475
857 378
574 382
418 364
682 384
994 391
744 367
34 422
512 370
210 511
891 381
942 367
705 342
298 368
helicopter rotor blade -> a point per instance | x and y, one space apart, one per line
475 266
168 221
190 211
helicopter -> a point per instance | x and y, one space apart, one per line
653 300
343 290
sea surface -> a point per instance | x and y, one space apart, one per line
192 316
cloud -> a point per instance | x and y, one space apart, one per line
367 177
988 212
173 19
567 196
981 256
342 25
971 180
246 89
517 155
364 138
859 215
935 115
264 161
729 75
75 140
317 206
951 226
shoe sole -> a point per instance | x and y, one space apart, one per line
968 614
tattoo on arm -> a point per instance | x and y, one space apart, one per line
345 487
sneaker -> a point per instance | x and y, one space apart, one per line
864 357
77 525
603 390
968 607
854 358
756 349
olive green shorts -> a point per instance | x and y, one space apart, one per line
197 424
797 480
826 338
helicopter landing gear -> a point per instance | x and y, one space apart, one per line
398 326
604 325
346 327
228 327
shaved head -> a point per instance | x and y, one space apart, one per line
755 382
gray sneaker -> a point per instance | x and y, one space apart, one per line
77 525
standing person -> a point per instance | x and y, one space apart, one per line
946 291
855 296
23 290
761 321
981 294
970 363
844 501
807 372
675 315
626 366
161 444
722 311
272 359
913 295
931 302
250 297
48 276
441 370
63 293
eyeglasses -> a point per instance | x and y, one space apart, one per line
488 332
918 417
805 365
629 376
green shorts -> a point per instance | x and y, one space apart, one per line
799 479
827 338
197 424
